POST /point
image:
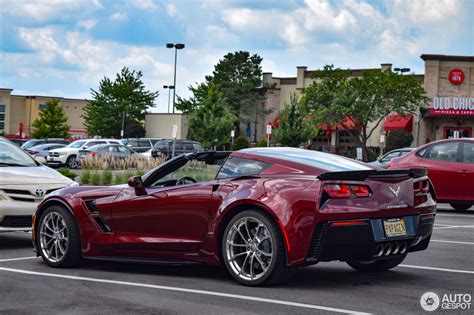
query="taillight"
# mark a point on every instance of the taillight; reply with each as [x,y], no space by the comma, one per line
[33,152]
[390,164]
[421,189]
[338,191]
[93,154]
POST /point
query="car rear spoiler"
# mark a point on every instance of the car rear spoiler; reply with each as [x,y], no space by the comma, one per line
[363,175]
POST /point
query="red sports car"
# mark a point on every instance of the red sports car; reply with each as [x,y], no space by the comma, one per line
[450,165]
[259,212]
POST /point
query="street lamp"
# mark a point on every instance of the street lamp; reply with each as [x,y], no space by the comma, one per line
[31,109]
[169,87]
[176,47]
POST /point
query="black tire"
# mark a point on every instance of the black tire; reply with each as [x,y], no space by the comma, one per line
[72,255]
[277,270]
[377,265]
[460,206]
[71,162]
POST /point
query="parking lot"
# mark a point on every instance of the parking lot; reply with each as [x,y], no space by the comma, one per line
[99,287]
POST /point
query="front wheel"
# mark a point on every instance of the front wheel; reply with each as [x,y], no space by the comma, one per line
[253,250]
[58,238]
[377,265]
[460,206]
[71,161]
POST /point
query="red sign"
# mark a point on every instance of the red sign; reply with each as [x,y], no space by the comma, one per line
[451,112]
[456,76]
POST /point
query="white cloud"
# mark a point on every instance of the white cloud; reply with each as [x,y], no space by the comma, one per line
[40,10]
[87,24]
[144,4]
[118,16]
[171,9]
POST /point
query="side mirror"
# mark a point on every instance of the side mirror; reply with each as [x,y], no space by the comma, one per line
[137,183]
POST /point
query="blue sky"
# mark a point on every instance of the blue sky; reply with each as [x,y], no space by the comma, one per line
[64,47]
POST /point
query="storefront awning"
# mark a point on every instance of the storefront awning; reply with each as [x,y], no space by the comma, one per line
[398,122]
[349,123]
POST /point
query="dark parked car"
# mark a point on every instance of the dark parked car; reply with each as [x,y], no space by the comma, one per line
[383,160]
[140,144]
[165,148]
[116,151]
[450,165]
[34,142]
[259,212]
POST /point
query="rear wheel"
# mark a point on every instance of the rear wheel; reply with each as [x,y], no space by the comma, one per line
[377,265]
[58,238]
[460,206]
[71,161]
[253,249]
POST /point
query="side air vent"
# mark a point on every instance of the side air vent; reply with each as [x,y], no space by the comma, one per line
[103,226]
[315,244]
[91,206]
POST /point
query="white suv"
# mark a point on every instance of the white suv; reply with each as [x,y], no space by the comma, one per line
[68,155]
[23,185]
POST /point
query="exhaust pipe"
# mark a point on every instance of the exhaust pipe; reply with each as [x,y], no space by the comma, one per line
[388,249]
[379,250]
[403,248]
[395,248]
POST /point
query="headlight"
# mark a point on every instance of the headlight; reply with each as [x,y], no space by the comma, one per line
[62,153]
[74,184]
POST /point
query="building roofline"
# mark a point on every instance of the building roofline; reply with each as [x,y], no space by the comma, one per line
[50,97]
[447,57]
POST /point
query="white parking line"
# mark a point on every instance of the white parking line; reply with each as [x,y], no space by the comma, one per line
[19,258]
[444,214]
[453,242]
[453,226]
[437,269]
[177,289]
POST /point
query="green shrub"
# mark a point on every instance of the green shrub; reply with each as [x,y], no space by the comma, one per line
[107,177]
[67,172]
[262,143]
[118,178]
[240,143]
[398,139]
[86,178]
[96,179]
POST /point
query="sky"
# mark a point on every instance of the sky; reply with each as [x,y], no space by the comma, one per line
[64,48]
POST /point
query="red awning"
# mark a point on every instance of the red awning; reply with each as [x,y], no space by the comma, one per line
[348,122]
[398,122]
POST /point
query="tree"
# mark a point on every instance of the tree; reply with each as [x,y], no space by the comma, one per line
[296,125]
[240,143]
[210,120]
[124,101]
[366,100]
[398,139]
[51,122]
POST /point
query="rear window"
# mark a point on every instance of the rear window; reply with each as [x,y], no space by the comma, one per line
[321,160]
[235,166]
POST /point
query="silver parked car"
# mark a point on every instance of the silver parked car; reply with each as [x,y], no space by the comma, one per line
[41,151]
[383,160]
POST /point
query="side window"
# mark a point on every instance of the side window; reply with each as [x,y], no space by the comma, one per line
[188,147]
[235,166]
[468,152]
[178,146]
[123,149]
[111,149]
[143,144]
[446,152]
[391,156]
[197,148]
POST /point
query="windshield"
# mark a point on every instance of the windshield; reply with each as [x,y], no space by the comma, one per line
[30,143]
[76,144]
[11,155]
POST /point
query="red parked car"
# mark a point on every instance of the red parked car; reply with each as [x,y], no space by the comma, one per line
[450,165]
[259,212]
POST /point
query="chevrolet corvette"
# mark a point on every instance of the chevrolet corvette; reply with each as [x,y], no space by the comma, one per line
[259,212]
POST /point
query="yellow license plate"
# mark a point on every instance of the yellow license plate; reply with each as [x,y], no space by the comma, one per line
[394,227]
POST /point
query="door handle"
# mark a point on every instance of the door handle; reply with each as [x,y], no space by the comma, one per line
[464,172]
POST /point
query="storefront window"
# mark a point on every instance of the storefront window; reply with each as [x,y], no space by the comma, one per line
[2,117]
[457,132]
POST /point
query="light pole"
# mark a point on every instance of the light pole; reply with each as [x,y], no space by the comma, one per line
[169,87]
[31,108]
[176,47]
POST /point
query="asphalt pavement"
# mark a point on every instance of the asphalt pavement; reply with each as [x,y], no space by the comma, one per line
[28,286]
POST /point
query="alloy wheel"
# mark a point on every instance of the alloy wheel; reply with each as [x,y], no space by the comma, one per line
[53,235]
[249,248]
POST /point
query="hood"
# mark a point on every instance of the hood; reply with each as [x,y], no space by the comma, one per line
[65,149]
[31,175]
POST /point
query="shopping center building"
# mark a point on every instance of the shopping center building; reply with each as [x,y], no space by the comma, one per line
[18,112]
[448,82]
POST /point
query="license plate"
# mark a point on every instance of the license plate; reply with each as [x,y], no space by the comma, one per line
[394,227]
